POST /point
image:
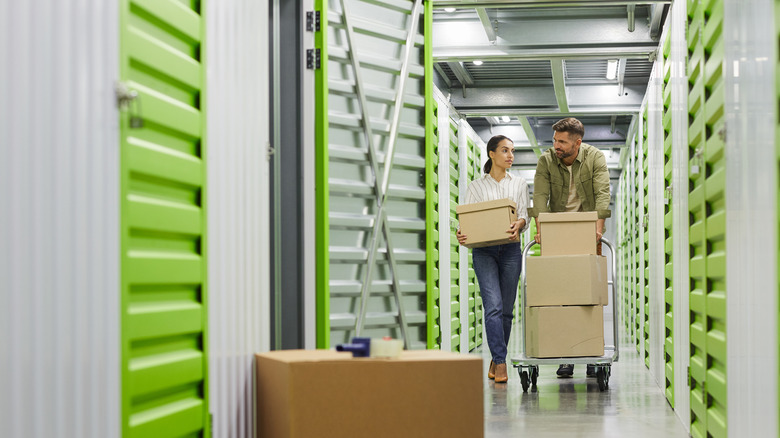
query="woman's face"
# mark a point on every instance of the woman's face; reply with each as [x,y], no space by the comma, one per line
[504,154]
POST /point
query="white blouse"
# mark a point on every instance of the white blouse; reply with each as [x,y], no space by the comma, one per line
[511,186]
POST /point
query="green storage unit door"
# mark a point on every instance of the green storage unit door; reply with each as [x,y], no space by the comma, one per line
[706,203]
[668,247]
[475,300]
[164,360]
[457,323]
[433,306]
[636,247]
[375,175]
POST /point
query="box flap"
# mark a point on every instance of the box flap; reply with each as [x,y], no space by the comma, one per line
[579,216]
[498,203]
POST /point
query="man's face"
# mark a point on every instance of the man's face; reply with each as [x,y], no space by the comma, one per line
[566,144]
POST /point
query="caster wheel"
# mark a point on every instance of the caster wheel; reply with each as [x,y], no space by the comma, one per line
[601,377]
[524,380]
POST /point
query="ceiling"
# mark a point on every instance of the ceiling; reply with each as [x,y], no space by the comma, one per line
[545,60]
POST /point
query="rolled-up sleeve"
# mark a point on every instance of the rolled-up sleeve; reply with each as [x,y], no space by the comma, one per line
[601,189]
[541,187]
[522,210]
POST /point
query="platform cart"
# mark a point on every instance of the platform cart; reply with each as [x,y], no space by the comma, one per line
[528,367]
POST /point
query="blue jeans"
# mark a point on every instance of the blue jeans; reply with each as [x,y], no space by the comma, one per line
[498,271]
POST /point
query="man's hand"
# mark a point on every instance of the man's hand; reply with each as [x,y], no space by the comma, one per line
[461,237]
[538,238]
[598,236]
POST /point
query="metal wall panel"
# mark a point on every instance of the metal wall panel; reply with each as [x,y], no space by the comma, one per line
[237,109]
[750,64]
[376,198]
[163,224]
[59,220]
[668,265]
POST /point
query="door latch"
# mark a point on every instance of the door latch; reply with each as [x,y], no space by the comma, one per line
[128,100]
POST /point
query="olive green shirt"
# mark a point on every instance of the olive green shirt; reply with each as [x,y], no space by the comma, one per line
[591,179]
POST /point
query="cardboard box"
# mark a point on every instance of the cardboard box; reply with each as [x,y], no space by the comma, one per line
[322,393]
[564,331]
[570,280]
[485,223]
[568,233]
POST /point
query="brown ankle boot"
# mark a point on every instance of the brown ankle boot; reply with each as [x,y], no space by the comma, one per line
[492,370]
[501,376]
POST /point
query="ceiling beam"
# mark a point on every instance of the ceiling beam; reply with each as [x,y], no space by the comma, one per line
[507,53]
[443,75]
[656,13]
[559,84]
[529,132]
[461,73]
[515,4]
[487,24]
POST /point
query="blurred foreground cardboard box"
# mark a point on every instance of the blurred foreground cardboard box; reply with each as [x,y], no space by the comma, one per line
[485,223]
[323,393]
[564,331]
[568,233]
[570,280]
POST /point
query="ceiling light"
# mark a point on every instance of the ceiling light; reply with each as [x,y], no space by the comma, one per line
[477,62]
[504,119]
[449,9]
[612,65]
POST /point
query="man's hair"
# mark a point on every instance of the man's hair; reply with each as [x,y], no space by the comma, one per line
[570,125]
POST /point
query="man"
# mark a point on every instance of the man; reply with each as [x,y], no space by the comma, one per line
[572,176]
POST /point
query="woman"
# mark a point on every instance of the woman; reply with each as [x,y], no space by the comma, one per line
[498,267]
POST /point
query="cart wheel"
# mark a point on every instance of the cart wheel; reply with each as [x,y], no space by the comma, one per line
[534,375]
[524,380]
[606,376]
[601,377]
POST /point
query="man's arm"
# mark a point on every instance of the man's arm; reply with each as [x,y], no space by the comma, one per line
[601,188]
[541,193]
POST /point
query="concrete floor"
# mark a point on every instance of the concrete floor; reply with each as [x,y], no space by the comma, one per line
[633,406]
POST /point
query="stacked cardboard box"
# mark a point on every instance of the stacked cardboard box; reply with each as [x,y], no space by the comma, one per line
[566,289]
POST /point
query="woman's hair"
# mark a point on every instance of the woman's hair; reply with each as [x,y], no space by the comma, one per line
[491,147]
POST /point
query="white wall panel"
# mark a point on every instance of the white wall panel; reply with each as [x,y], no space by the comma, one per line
[237,108]
[59,219]
[751,217]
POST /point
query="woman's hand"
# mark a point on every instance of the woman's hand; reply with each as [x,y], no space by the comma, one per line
[461,237]
[514,228]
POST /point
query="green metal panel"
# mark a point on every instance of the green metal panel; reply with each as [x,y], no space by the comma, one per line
[707,214]
[163,224]
[321,157]
[668,247]
[459,327]
[433,306]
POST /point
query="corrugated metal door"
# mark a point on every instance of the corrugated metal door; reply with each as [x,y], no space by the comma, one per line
[372,264]
[433,278]
[668,243]
[164,379]
[707,219]
[636,239]
[459,324]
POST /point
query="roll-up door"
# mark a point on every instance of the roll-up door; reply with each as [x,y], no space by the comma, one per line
[374,189]
[164,378]
[706,203]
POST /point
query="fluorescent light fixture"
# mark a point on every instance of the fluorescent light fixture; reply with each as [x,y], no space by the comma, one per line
[612,65]
[449,9]
[477,62]
[504,119]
